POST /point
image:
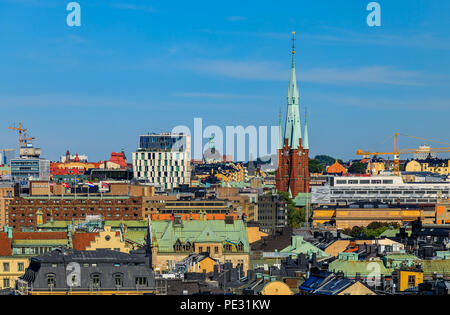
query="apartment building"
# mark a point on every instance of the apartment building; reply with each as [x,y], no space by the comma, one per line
[163,160]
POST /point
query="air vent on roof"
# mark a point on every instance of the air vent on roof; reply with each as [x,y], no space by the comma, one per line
[229,219]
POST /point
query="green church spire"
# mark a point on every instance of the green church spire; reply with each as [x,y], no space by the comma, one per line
[293,127]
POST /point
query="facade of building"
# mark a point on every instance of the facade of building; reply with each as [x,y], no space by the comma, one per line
[432,165]
[272,213]
[6,196]
[100,272]
[293,152]
[423,152]
[28,168]
[28,212]
[442,212]
[362,215]
[5,170]
[163,159]
[11,268]
[105,239]
[224,240]
[196,207]
[386,189]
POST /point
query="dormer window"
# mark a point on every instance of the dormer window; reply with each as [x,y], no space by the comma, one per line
[227,247]
[178,247]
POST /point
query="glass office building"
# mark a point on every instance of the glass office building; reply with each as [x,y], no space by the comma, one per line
[24,169]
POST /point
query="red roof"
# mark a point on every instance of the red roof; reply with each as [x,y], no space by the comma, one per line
[39,235]
[81,241]
[5,245]
[118,158]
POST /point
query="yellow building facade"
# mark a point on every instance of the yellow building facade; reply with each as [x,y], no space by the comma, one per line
[375,168]
[108,239]
[162,261]
[11,268]
[206,265]
[409,279]
[441,167]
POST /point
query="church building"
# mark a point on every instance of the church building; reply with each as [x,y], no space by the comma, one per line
[293,149]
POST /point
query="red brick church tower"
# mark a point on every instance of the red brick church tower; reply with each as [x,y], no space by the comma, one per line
[293,150]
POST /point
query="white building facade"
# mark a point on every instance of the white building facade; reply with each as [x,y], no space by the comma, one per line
[386,189]
[163,160]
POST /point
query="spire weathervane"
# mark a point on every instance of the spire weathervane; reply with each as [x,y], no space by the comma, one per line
[293,43]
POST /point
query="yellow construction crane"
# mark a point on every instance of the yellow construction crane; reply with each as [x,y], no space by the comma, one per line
[23,139]
[397,152]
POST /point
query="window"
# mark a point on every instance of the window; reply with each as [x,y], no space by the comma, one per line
[178,247]
[216,250]
[411,282]
[240,247]
[227,247]
[20,267]
[141,281]
[96,281]
[6,283]
[6,267]
[51,280]
[118,280]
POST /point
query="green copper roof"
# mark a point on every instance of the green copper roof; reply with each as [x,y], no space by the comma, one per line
[364,268]
[305,142]
[440,267]
[167,234]
[138,237]
[301,199]
[300,246]
[292,130]
[398,260]
[128,223]
[57,242]
[55,224]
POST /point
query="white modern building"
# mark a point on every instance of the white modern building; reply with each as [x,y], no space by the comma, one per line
[385,189]
[163,160]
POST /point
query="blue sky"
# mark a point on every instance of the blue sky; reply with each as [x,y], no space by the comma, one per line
[147,66]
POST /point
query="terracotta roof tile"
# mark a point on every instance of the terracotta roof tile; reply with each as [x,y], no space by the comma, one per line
[39,235]
[5,245]
[81,241]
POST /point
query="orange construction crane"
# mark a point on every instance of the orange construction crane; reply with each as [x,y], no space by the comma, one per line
[397,152]
[23,140]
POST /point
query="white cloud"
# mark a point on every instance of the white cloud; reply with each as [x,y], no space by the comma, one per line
[264,70]
[441,104]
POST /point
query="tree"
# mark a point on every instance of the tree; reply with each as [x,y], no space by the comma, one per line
[357,168]
[315,166]
[295,216]
[373,230]
[325,160]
